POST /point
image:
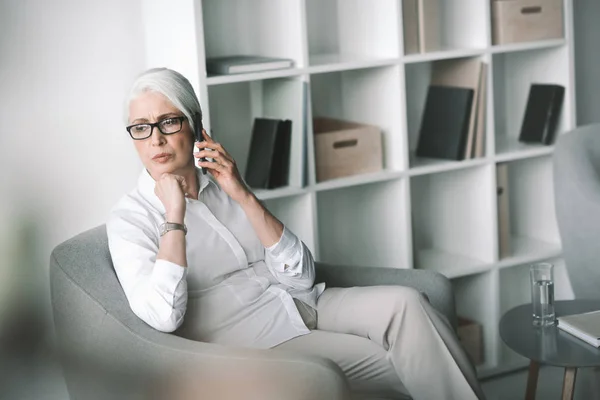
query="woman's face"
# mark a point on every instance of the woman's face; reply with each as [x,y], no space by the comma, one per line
[161,153]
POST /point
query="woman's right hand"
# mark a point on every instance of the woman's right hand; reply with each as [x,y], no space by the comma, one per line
[170,190]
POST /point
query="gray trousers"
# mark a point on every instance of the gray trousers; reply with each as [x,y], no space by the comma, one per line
[390,342]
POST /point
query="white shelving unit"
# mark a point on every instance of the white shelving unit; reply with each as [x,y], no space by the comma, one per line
[350,63]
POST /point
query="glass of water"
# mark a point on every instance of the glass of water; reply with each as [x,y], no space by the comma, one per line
[542,294]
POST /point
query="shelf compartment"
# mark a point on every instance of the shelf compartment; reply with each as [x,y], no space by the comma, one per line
[423,166]
[351,31]
[255,76]
[527,250]
[513,74]
[442,55]
[514,47]
[479,286]
[508,148]
[266,194]
[533,226]
[370,96]
[452,219]
[356,180]
[418,78]
[461,26]
[270,28]
[296,213]
[365,225]
[450,265]
[234,106]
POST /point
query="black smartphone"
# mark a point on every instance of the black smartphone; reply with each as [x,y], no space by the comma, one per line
[199,138]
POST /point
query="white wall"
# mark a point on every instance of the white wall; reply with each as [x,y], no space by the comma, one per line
[65,158]
[586,15]
[65,66]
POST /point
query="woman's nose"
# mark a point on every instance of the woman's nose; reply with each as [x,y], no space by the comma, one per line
[156,137]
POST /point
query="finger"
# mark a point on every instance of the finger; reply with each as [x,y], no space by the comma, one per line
[221,159]
[206,136]
[181,180]
[211,166]
[210,145]
[213,154]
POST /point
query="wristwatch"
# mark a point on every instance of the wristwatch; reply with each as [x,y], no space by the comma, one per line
[172,226]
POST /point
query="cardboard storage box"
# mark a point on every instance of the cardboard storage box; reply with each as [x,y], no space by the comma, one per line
[345,148]
[470,334]
[516,21]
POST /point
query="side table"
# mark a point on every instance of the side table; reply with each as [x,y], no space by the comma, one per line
[549,345]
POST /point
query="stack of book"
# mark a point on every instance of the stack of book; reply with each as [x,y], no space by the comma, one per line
[268,163]
[453,121]
[585,326]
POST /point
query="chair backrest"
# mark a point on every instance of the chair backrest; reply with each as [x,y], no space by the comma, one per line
[85,288]
[576,163]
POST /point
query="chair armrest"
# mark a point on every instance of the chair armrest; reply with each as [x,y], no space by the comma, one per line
[433,284]
[104,351]
[230,371]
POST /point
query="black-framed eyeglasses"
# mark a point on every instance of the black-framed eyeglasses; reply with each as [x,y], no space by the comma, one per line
[166,126]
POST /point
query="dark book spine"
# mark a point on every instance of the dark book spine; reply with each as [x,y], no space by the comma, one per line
[554,115]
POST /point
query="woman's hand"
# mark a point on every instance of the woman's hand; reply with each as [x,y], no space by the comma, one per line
[171,189]
[223,168]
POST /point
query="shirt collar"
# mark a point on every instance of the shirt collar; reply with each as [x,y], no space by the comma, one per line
[146,186]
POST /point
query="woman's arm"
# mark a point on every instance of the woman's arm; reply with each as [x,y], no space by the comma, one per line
[148,269]
[287,257]
[268,228]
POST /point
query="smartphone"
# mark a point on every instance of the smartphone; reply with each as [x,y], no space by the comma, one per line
[199,138]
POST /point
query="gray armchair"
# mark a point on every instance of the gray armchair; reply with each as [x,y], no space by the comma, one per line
[576,163]
[97,332]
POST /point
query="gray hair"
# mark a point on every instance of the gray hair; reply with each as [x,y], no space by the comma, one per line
[173,86]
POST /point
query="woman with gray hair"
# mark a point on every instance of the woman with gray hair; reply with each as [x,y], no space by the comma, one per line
[199,254]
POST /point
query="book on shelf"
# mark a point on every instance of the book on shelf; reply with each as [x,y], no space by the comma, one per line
[478,146]
[239,64]
[504,243]
[585,326]
[305,119]
[269,158]
[471,74]
[544,105]
[421,26]
[445,123]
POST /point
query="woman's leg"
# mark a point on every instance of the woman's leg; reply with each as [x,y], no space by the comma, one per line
[366,365]
[420,344]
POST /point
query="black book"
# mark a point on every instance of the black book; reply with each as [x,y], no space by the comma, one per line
[280,169]
[445,123]
[543,109]
[269,157]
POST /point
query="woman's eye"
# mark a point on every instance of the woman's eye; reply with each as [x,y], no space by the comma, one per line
[169,121]
[140,128]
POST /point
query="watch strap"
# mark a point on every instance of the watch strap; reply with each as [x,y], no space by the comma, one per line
[172,226]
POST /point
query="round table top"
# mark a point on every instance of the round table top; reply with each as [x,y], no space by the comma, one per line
[549,345]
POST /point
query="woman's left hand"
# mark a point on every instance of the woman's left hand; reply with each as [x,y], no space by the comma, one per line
[223,168]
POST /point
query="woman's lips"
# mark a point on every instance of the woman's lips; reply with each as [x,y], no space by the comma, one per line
[162,157]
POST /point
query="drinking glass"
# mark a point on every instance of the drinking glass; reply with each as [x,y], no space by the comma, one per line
[542,294]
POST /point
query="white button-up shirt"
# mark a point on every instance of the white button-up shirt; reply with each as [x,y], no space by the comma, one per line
[234,290]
